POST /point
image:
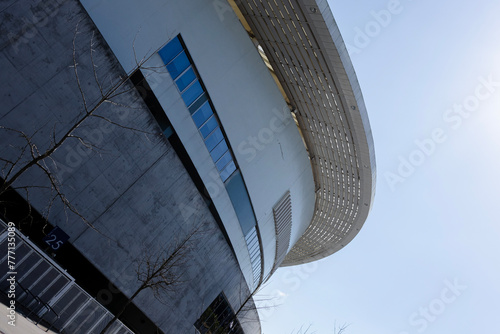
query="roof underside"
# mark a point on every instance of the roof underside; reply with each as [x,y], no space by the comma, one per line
[304,46]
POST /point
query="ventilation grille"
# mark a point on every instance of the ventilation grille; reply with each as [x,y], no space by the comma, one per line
[282,213]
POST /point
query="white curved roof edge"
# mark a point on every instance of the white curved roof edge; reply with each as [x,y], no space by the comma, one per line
[309,57]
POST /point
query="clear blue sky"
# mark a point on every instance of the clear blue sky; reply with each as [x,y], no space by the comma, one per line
[427,258]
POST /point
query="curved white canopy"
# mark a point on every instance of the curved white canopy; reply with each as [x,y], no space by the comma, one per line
[304,47]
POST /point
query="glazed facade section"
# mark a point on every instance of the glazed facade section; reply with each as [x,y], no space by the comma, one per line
[179,64]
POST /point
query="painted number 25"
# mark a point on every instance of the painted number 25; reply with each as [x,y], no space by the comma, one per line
[53,243]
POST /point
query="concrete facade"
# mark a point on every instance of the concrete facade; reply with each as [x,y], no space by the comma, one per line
[265,140]
[132,188]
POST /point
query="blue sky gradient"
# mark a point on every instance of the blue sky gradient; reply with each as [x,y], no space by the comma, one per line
[427,258]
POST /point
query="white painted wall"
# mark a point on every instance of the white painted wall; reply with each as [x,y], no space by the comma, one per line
[264,138]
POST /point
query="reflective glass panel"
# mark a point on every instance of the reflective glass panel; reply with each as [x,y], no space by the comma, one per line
[185,79]
[219,150]
[223,161]
[215,138]
[169,51]
[209,126]
[228,171]
[178,65]
[241,202]
[202,115]
[191,93]
[198,103]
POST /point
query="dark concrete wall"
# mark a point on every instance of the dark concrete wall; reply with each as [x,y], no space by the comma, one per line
[131,187]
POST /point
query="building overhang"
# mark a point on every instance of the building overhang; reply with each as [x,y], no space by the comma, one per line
[310,61]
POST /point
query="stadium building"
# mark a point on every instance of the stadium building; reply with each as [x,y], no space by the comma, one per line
[231,134]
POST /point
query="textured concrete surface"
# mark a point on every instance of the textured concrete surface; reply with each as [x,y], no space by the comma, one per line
[131,187]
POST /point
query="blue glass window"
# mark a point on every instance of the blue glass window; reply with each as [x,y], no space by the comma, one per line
[241,202]
[215,138]
[223,161]
[228,171]
[192,93]
[219,150]
[209,126]
[185,79]
[178,65]
[202,115]
[172,49]
[196,105]
[190,85]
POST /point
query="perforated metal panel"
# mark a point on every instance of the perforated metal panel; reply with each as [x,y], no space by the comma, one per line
[298,39]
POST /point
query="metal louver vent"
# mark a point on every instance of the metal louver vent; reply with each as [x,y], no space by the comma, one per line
[282,213]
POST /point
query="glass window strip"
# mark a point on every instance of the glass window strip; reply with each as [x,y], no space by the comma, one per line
[193,82]
[209,126]
[199,105]
[171,50]
[192,93]
[227,172]
[178,65]
[219,150]
[214,139]
[185,79]
[202,114]
[224,161]
[176,57]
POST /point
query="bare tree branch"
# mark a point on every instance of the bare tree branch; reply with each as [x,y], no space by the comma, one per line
[161,270]
[13,169]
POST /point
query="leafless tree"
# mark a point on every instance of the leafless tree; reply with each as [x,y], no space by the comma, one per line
[162,270]
[31,155]
[337,329]
[306,330]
